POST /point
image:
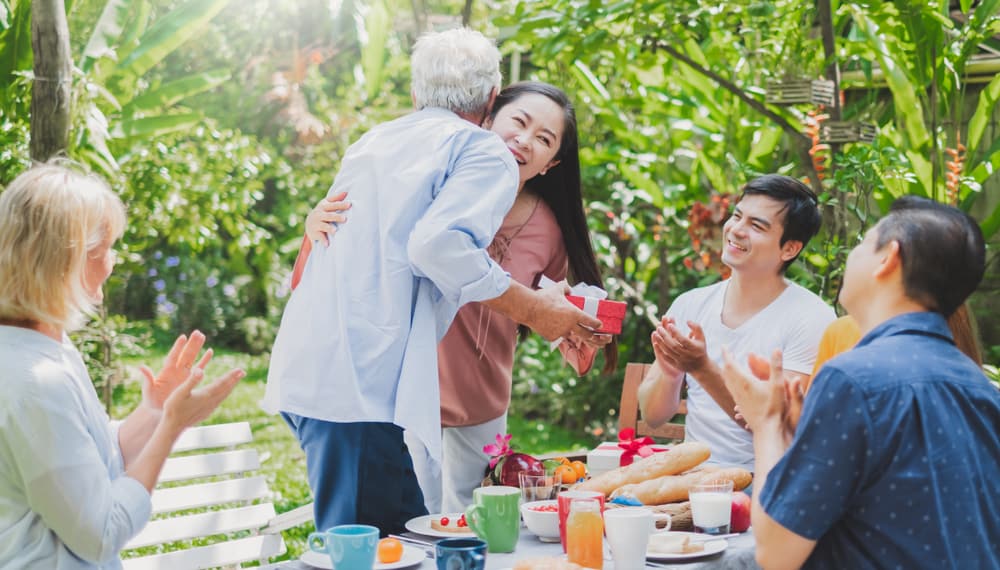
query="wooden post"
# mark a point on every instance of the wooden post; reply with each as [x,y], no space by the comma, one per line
[50,94]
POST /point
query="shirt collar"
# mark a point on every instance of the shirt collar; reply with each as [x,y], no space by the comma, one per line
[924,323]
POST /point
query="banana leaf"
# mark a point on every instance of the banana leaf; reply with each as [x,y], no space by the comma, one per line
[151,127]
[105,34]
[981,118]
[15,48]
[908,107]
[175,91]
[167,34]
[991,224]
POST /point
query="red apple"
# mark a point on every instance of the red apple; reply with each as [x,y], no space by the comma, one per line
[739,520]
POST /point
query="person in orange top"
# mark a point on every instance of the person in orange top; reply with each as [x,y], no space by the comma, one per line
[844,333]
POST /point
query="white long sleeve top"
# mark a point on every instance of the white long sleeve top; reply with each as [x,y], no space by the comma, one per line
[65,501]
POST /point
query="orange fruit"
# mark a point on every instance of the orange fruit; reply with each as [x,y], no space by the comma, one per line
[580,468]
[562,460]
[389,550]
[566,474]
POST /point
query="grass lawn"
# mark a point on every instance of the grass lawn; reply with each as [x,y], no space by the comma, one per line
[283,463]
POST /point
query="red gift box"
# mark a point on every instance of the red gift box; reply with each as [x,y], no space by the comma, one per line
[611,313]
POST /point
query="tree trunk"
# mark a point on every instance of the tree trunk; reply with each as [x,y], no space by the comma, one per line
[50,96]
[467,13]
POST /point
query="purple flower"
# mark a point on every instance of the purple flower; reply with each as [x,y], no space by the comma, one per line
[229,290]
[168,308]
[183,276]
[153,272]
[212,281]
[173,261]
[161,299]
[159,285]
[157,254]
[284,289]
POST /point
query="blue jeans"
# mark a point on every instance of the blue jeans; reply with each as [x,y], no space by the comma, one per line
[359,473]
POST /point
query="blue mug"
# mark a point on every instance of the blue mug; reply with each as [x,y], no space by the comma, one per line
[461,554]
[349,546]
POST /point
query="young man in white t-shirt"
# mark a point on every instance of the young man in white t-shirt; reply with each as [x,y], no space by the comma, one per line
[756,310]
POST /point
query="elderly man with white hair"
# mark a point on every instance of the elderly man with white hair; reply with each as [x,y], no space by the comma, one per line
[355,360]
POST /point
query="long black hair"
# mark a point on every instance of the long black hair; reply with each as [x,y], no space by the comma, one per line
[560,189]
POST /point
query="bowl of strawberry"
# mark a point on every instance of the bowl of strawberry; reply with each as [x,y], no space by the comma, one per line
[542,519]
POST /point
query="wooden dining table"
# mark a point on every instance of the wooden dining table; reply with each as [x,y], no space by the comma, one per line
[738,555]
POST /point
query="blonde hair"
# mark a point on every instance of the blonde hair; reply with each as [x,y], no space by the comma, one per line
[51,218]
[455,70]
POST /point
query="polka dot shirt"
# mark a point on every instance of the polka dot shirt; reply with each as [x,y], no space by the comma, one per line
[896,456]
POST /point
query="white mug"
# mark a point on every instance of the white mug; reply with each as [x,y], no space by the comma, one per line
[628,530]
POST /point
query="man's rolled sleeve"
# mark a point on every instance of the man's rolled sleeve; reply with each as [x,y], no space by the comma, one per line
[811,486]
[448,244]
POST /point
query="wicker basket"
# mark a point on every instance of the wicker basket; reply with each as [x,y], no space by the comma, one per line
[800,91]
[680,514]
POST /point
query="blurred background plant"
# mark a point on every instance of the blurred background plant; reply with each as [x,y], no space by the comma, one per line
[221,123]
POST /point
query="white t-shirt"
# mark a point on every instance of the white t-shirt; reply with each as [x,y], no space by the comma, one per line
[794,322]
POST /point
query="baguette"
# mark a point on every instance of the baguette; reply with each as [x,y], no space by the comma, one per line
[678,459]
[674,488]
[740,477]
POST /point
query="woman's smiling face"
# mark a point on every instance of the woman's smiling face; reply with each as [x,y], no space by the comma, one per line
[532,128]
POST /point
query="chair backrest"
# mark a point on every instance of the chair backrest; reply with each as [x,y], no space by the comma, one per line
[227,498]
[628,409]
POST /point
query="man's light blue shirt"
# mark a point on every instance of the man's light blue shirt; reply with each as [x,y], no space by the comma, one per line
[358,339]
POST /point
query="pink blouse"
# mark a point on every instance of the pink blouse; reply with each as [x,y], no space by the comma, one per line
[476,356]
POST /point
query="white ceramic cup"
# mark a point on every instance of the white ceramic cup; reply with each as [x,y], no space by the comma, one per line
[628,530]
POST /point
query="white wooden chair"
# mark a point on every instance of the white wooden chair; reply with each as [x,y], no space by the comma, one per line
[227,497]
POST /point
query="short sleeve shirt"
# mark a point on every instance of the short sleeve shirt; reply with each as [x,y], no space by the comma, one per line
[895,459]
[793,322]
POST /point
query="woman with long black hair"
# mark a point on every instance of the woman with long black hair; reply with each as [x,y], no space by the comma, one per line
[545,233]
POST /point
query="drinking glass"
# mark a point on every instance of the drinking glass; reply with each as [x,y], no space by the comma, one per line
[711,506]
[536,487]
[585,533]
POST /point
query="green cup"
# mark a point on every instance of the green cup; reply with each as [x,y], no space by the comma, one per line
[494,516]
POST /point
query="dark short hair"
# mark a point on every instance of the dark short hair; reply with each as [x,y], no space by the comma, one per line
[801,207]
[942,251]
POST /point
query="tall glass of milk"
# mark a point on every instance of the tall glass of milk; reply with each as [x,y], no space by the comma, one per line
[711,506]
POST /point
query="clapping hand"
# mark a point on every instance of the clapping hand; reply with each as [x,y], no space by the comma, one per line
[767,396]
[682,353]
[189,405]
[181,361]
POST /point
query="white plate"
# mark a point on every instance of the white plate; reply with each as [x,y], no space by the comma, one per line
[422,525]
[412,556]
[711,547]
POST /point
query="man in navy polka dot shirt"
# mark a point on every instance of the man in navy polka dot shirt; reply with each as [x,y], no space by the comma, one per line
[894,459]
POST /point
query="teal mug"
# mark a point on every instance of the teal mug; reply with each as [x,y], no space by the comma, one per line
[460,554]
[495,516]
[349,546]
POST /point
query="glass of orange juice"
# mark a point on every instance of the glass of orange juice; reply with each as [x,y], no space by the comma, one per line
[585,533]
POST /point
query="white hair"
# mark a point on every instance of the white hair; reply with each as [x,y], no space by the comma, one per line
[455,70]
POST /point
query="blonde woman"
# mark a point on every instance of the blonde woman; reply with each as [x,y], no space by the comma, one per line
[74,486]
